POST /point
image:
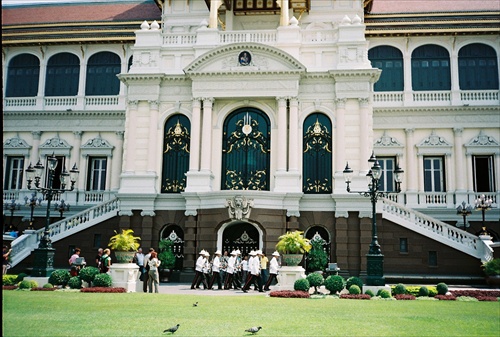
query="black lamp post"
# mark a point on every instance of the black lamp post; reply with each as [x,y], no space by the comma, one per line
[464,210]
[44,254]
[32,203]
[483,204]
[374,258]
[61,207]
[11,206]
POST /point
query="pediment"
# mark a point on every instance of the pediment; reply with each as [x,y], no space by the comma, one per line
[248,58]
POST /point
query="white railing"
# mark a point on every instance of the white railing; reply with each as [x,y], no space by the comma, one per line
[260,36]
[101,100]
[60,101]
[437,230]
[479,95]
[431,96]
[26,243]
[433,199]
[388,97]
[179,39]
[20,101]
[319,36]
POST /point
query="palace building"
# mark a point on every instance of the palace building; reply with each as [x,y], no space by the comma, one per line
[223,124]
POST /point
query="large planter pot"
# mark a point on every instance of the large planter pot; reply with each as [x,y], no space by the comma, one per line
[292,260]
[124,257]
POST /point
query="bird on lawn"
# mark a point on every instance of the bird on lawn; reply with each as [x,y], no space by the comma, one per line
[172,329]
[254,329]
[195,304]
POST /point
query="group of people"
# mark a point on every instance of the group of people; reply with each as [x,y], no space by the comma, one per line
[231,271]
[148,269]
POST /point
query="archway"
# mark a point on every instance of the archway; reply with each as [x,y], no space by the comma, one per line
[241,235]
[175,234]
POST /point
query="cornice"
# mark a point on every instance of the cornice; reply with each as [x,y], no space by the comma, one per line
[65,114]
[413,111]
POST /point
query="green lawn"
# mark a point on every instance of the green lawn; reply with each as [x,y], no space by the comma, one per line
[138,314]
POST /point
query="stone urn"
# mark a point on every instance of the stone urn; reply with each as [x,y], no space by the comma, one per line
[292,260]
[493,281]
[124,256]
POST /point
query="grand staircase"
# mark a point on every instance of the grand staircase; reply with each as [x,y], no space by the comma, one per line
[26,243]
[392,211]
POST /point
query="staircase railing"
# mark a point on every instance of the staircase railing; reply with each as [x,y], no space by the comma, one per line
[26,243]
[437,230]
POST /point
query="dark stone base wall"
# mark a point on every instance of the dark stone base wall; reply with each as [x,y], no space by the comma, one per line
[350,241]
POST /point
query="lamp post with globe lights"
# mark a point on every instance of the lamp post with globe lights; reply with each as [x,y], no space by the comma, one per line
[32,203]
[11,206]
[483,204]
[375,258]
[464,210]
[44,254]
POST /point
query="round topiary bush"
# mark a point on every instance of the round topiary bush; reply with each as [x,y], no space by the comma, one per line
[384,293]
[87,274]
[301,284]
[423,291]
[59,277]
[25,284]
[315,280]
[369,292]
[354,280]
[399,289]
[75,282]
[102,280]
[354,290]
[442,288]
[334,283]
[48,285]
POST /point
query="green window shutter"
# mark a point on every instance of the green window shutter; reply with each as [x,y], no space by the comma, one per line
[63,73]
[22,76]
[102,69]
[390,61]
[477,67]
[177,137]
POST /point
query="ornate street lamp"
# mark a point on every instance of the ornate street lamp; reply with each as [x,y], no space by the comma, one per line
[464,210]
[483,204]
[11,206]
[32,203]
[375,258]
[61,207]
[44,254]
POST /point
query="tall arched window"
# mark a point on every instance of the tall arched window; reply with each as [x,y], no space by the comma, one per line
[390,61]
[102,69]
[430,68]
[63,73]
[317,155]
[175,154]
[477,67]
[246,148]
[23,76]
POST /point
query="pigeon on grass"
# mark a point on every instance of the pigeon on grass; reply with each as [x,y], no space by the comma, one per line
[195,304]
[172,329]
[254,329]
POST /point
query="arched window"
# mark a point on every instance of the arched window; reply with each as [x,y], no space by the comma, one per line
[390,61]
[175,154]
[430,68]
[317,155]
[102,69]
[477,67]
[63,73]
[246,148]
[23,76]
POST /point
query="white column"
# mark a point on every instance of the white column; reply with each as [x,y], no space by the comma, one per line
[36,146]
[455,86]
[206,143]
[153,136]
[284,16]
[81,79]
[76,159]
[282,138]
[364,133]
[460,179]
[194,155]
[293,146]
[214,8]
[411,164]
[339,154]
[408,96]
[116,163]
[43,76]
[131,135]
[470,173]
[420,172]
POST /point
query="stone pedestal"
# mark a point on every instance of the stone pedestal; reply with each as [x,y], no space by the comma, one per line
[125,275]
[287,277]
[375,289]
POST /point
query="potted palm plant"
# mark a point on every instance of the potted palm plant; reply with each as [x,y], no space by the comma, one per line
[124,245]
[492,271]
[292,246]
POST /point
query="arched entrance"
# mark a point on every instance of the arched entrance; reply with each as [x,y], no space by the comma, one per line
[320,233]
[175,234]
[239,235]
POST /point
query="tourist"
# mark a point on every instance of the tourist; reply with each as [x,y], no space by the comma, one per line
[153,274]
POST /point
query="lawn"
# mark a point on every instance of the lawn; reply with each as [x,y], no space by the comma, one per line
[138,314]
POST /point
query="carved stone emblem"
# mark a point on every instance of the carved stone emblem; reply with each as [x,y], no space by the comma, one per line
[239,207]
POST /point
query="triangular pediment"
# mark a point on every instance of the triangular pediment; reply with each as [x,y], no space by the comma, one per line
[248,58]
